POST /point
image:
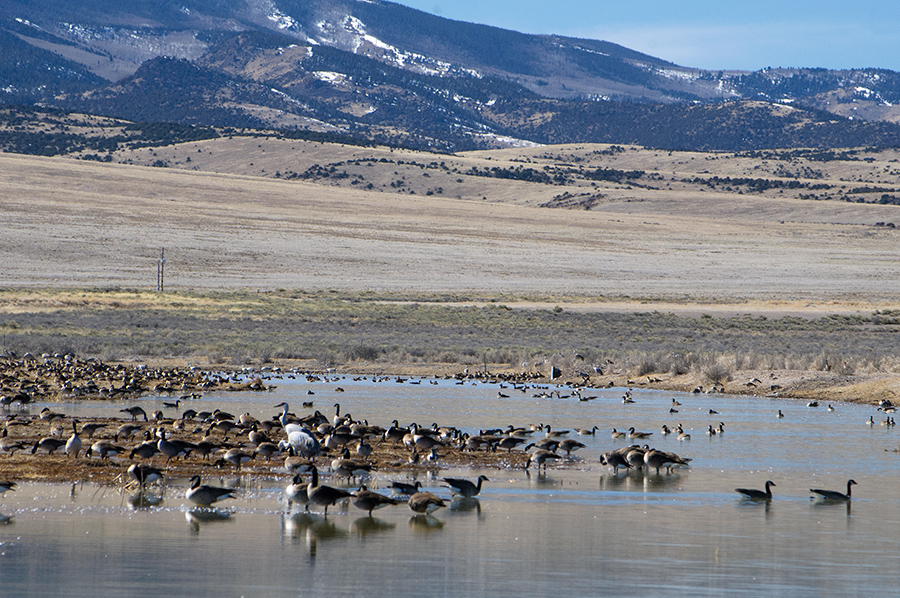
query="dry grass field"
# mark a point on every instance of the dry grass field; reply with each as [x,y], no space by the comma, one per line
[429,232]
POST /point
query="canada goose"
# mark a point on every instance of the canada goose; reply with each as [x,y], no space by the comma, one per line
[509,443]
[144,474]
[710,431]
[539,457]
[425,502]
[9,445]
[591,432]
[813,404]
[780,414]
[465,488]
[237,457]
[675,403]
[168,448]
[296,491]
[364,449]
[134,412]
[6,485]
[404,488]
[871,421]
[665,431]
[104,448]
[267,449]
[346,467]
[830,408]
[89,428]
[203,495]
[616,435]
[721,429]
[568,445]
[323,496]
[551,434]
[48,445]
[632,434]
[834,494]
[657,459]
[615,460]
[73,444]
[367,500]
[49,416]
[145,450]
[754,494]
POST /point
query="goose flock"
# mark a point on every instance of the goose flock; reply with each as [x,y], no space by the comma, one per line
[158,446]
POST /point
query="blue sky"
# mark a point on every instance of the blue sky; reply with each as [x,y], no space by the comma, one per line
[711,34]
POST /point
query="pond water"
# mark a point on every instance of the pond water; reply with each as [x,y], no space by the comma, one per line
[578,530]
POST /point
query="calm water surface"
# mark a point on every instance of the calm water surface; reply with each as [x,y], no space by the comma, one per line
[579,530]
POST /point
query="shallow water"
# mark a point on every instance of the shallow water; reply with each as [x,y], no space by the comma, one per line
[578,530]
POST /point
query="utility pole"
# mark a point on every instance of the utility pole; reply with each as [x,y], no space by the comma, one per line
[161,271]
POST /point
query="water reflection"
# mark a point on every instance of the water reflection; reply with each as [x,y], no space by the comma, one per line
[425,523]
[204,515]
[144,500]
[365,526]
[465,505]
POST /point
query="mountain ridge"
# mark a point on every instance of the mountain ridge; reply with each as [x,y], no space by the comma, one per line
[388,73]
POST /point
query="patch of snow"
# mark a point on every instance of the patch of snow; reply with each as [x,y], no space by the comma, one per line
[330,76]
[283,21]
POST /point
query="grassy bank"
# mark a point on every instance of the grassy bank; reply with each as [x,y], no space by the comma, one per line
[343,329]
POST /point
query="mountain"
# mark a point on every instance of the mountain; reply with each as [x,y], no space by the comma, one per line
[384,72]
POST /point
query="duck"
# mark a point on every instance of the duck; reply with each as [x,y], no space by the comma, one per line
[367,500]
[834,494]
[465,488]
[754,494]
[324,496]
[425,502]
[205,496]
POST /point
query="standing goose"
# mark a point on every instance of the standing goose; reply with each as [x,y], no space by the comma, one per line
[203,495]
[6,486]
[568,445]
[425,502]
[73,444]
[144,474]
[296,491]
[367,500]
[753,494]
[834,494]
[465,488]
[323,496]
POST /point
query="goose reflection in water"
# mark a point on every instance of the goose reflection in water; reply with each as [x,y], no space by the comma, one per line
[365,526]
[465,505]
[657,481]
[425,523]
[309,525]
[141,501]
[204,515]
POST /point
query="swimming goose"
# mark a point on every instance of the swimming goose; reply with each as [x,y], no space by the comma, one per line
[324,496]
[367,500]
[780,414]
[203,495]
[834,494]
[753,494]
[633,434]
[591,432]
[616,435]
[425,502]
[465,488]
